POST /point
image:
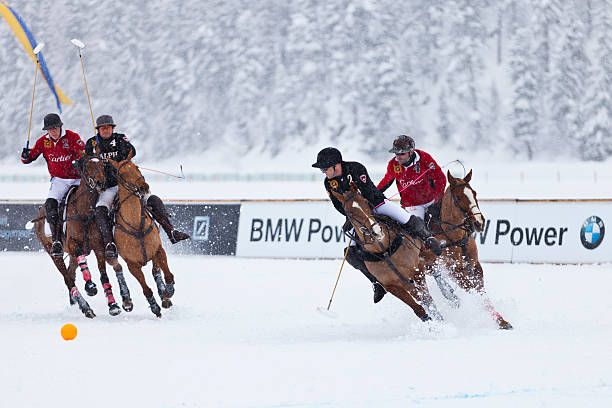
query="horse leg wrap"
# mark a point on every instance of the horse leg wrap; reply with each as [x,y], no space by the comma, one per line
[82,260]
[123,288]
[161,287]
[445,287]
[154,306]
[108,291]
[83,305]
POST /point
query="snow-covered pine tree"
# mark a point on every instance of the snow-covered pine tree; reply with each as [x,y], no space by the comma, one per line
[524,104]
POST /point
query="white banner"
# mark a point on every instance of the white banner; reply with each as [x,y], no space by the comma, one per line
[515,231]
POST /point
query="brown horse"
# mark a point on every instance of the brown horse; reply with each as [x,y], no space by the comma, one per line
[389,254]
[460,217]
[82,235]
[137,235]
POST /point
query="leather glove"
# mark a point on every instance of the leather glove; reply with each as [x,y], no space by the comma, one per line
[25,153]
[347,226]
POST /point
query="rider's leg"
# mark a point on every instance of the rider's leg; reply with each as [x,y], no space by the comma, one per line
[353,258]
[104,222]
[57,190]
[52,215]
[158,209]
[412,223]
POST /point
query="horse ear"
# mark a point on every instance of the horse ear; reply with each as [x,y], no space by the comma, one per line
[354,187]
[130,155]
[450,178]
[468,177]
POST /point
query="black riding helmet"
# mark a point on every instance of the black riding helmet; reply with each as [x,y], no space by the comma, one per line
[328,157]
[52,121]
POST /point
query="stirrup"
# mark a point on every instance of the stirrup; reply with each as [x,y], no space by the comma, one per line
[176,236]
[111,250]
[57,249]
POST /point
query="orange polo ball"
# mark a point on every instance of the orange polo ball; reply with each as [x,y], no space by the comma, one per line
[69,331]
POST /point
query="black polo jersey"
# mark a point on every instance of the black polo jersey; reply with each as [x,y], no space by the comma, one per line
[353,171]
[116,148]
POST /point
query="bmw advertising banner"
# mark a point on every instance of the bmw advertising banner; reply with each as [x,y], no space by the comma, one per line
[546,231]
[561,231]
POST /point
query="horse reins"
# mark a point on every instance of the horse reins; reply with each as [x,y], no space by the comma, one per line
[385,254]
[139,232]
[467,225]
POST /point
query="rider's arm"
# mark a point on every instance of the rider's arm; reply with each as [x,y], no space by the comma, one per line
[367,187]
[125,147]
[436,176]
[386,182]
[34,152]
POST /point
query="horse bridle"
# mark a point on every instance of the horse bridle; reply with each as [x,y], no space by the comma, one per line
[132,188]
[467,225]
[90,179]
[367,232]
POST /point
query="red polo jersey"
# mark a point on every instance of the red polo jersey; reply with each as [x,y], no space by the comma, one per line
[59,155]
[429,187]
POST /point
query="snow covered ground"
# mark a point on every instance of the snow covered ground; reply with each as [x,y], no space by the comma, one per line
[247,333]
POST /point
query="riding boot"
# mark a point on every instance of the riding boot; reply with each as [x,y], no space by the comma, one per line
[353,258]
[57,250]
[416,227]
[104,224]
[158,210]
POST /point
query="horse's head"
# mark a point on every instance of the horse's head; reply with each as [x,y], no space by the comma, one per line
[464,198]
[130,177]
[92,171]
[359,212]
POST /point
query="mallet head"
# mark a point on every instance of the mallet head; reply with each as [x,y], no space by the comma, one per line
[38,48]
[78,43]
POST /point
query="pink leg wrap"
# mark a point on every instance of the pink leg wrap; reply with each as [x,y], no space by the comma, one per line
[82,260]
[108,291]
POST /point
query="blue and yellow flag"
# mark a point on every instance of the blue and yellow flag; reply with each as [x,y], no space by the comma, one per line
[25,37]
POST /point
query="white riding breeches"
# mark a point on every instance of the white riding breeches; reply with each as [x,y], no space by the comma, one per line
[60,186]
[107,196]
[393,210]
[418,210]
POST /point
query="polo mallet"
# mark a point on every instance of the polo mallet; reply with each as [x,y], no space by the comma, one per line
[339,273]
[182,176]
[36,50]
[80,45]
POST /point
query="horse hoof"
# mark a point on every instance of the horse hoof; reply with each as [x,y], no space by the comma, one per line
[91,288]
[90,314]
[166,303]
[113,309]
[504,325]
[425,318]
[127,305]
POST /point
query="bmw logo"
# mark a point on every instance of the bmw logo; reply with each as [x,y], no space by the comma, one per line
[592,232]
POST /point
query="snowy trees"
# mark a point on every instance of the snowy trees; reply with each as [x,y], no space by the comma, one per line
[191,77]
[595,138]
